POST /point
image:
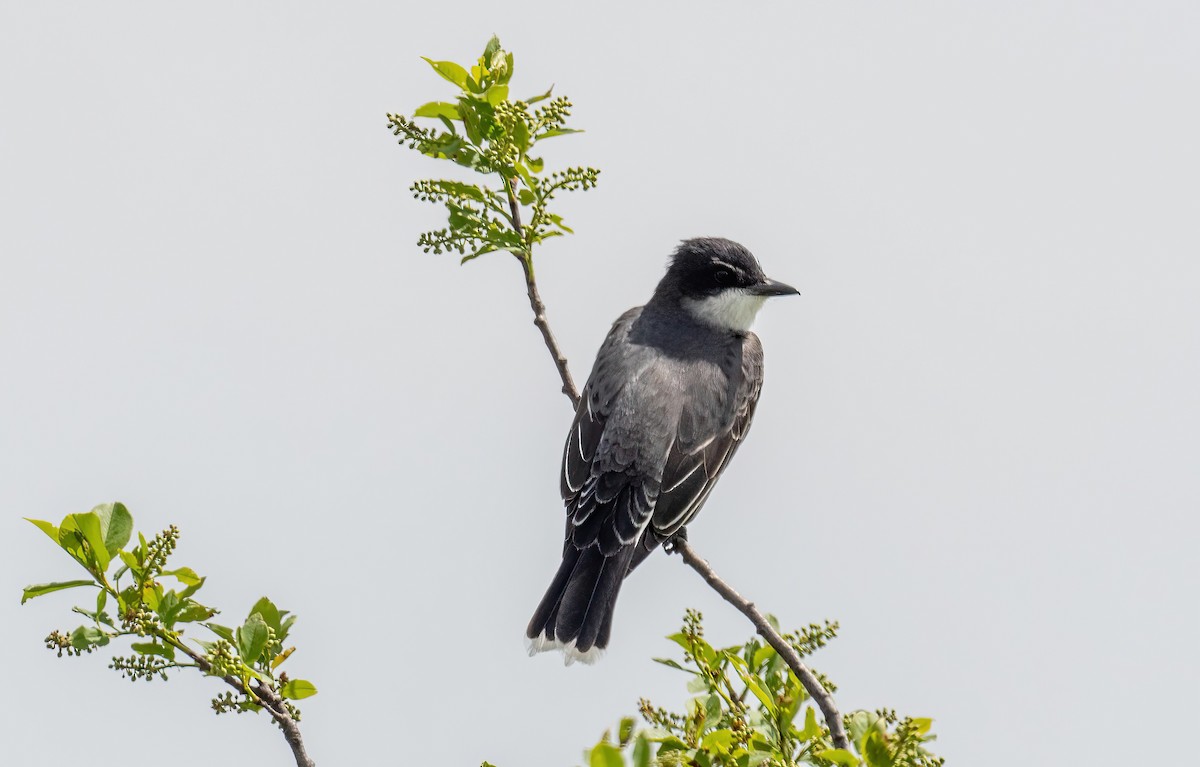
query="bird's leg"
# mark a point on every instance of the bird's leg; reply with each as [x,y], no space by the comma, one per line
[669,544]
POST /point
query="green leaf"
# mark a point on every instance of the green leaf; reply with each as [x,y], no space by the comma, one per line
[131,562]
[490,49]
[536,164]
[71,540]
[190,611]
[45,527]
[697,683]
[605,755]
[718,740]
[811,728]
[625,731]
[116,526]
[269,612]
[497,94]
[762,655]
[641,752]
[520,136]
[101,601]
[252,638]
[556,132]
[168,602]
[438,109]
[484,250]
[681,640]
[466,190]
[89,526]
[542,97]
[712,711]
[558,221]
[470,120]
[88,636]
[508,69]
[673,664]
[287,625]
[922,724]
[38,589]
[859,723]
[755,758]
[185,575]
[449,70]
[154,648]
[838,756]
[666,740]
[875,751]
[765,698]
[224,632]
[298,689]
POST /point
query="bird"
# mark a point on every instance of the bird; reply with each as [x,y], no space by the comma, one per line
[669,400]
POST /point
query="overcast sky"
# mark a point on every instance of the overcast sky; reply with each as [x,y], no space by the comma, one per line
[977,446]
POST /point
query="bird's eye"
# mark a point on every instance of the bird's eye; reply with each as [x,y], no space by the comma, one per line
[723,277]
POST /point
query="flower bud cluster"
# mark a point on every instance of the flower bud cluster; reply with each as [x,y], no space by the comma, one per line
[228,702]
[140,621]
[158,551]
[442,241]
[808,640]
[553,114]
[137,667]
[221,659]
[61,643]
[411,134]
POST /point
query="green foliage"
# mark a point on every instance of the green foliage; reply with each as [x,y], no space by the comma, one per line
[749,709]
[485,131]
[138,597]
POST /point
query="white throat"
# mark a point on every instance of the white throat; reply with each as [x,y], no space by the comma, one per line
[732,309]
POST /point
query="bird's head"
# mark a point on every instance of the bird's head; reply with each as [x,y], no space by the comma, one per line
[719,283]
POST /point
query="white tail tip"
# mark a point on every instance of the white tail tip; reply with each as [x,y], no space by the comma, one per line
[543,643]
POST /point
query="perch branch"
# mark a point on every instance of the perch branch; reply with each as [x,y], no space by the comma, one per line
[535,301]
[818,692]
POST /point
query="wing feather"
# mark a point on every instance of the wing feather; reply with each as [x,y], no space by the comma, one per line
[640,478]
[699,457]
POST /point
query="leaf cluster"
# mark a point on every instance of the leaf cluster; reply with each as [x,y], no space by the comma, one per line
[483,130]
[140,597]
[749,709]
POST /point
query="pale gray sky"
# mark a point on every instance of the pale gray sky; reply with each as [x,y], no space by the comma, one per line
[977,446]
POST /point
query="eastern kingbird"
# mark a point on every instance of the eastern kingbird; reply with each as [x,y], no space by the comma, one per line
[670,398]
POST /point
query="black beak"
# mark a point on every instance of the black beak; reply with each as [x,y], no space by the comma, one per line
[772,288]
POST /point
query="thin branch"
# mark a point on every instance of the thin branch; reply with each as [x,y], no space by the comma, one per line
[813,685]
[263,695]
[824,700]
[535,302]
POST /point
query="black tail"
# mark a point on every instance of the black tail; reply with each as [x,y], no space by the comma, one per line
[576,613]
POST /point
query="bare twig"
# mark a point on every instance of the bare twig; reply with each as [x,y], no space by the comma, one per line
[535,302]
[792,658]
[818,692]
[263,695]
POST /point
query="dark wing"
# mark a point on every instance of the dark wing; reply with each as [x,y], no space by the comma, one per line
[613,457]
[705,441]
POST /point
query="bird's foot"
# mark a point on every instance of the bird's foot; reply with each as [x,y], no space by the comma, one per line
[669,544]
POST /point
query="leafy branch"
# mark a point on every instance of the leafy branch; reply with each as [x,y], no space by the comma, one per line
[486,132]
[155,619]
[748,709]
